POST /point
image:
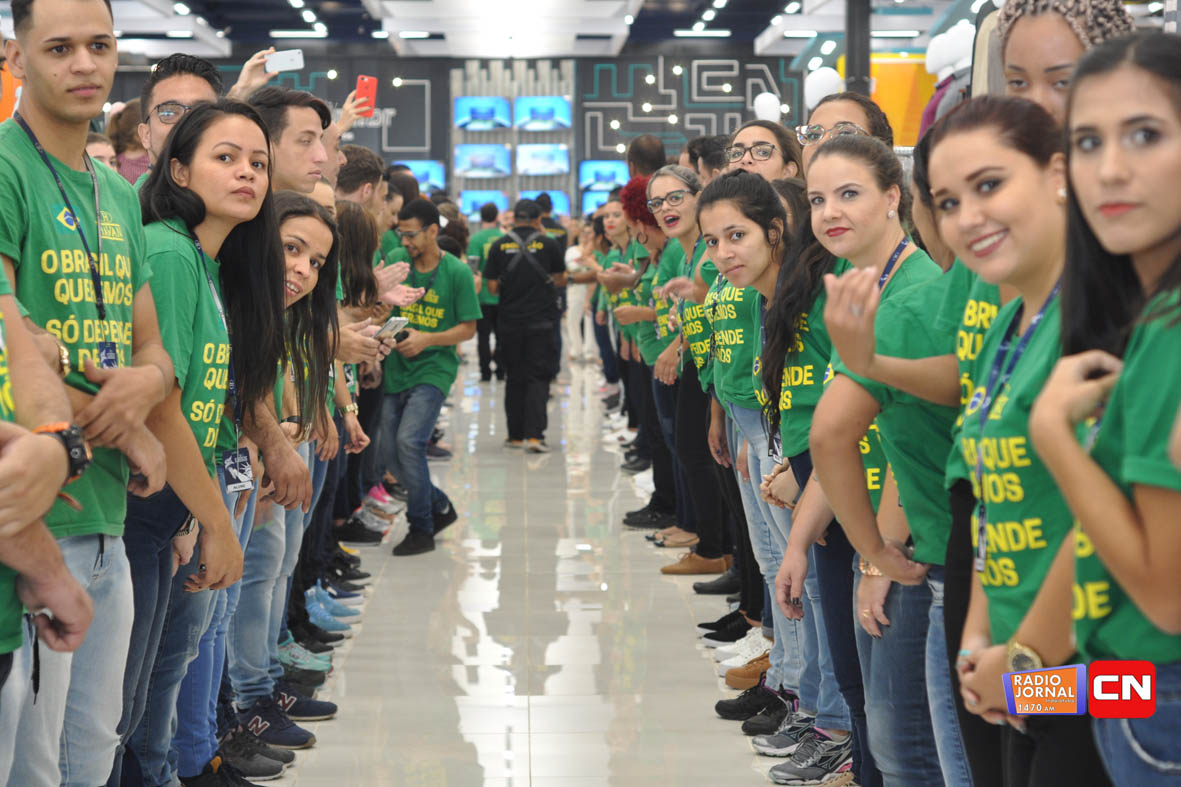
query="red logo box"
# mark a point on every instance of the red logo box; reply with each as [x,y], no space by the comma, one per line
[1121,689]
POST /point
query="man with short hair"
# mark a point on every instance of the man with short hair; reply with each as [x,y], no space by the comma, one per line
[174,86]
[421,371]
[361,179]
[645,155]
[296,120]
[711,159]
[525,268]
[477,248]
[55,205]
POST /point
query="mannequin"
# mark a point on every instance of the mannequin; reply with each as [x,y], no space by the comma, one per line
[949,57]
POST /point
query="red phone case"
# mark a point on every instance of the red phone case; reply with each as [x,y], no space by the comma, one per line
[367,89]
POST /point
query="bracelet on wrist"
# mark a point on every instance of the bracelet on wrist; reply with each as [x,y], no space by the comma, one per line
[868,569]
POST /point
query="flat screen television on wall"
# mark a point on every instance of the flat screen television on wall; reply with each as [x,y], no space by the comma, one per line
[543,159]
[431,175]
[560,199]
[601,175]
[482,113]
[591,200]
[542,113]
[470,202]
[483,161]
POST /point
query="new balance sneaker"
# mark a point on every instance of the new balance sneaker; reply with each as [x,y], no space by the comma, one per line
[770,719]
[795,729]
[819,759]
[299,707]
[246,754]
[749,703]
[292,654]
[284,756]
[267,722]
[325,620]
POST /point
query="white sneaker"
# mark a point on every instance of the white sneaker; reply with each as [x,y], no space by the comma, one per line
[737,661]
[753,644]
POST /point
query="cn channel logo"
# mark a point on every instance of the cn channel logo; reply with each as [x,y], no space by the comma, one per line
[1106,689]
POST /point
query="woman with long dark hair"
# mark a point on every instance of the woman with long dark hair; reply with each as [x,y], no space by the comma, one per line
[1101,423]
[212,247]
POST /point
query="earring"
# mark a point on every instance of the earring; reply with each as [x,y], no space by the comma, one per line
[1062,196]
[891,214]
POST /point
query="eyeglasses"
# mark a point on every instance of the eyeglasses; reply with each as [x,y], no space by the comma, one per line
[170,112]
[813,135]
[672,199]
[760,151]
[411,234]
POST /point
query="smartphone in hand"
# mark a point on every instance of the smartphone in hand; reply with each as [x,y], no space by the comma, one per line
[367,89]
[284,60]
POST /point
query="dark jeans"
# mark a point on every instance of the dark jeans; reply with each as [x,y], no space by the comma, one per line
[665,399]
[316,550]
[365,467]
[607,352]
[485,327]
[982,741]
[1055,750]
[692,448]
[833,563]
[147,536]
[529,355]
[664,498]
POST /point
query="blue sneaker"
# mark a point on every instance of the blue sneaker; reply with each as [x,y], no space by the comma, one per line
[317,595]
[324,619]
[300,707]
[267,722]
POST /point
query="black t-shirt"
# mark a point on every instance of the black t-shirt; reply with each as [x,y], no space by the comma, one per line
[526,298]
[557,232]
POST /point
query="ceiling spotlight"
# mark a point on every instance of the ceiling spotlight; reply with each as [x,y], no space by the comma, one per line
[181,9]
[828,47]
[699,26]
[296,3]
[815,63]
[614,125]
[1155,7]
[650,79]
[776,19]
[709,14]
[179,34]
[629,19]
[672,120]
[677,70]
[894,34]
[380,34]
[727,87]
[791,7]
[785,109]
[308,15]
[646,106]
[397,82]
[332,73]
[720,3]
[414,34]
[221,33]
[621,148]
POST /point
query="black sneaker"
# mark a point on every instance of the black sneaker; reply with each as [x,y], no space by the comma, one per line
[352,560]
[717,625]
[636,465]
[770,719]
[721,585]
[396,491]
[735,598]
[353,531]
[639,513]
[345,586]
[284,756]
[749,703]
[244,753]
[214,775]
[734,631]
[341,573]
[444,519]
[308,642]
[300,707]
[305,676]
[416,543]
[651,519]
[314,632]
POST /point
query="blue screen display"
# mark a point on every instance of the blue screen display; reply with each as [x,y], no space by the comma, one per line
[431,175]
[542,113]
[470,202]
[482,113]
[543,159]
[483,161]
[592,200]
[602,175]
[560,199]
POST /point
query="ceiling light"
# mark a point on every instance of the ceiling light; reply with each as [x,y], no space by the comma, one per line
[646,106]
[397,82]
[785,109]
[629,19]
[380,34]
[296,3]
[621,148]
[791,7]
[701,33]
[677,70]
[181,9]
[650,79]
[332,73]
[179,34]
[709,14]
[201,21]
[776,19]
[672,120]
[720,3]
[815,63]
[614,125]
[699,26]
[727,87]
[800,33]
[308,15]
[320,27]
[894,34]
[221,33]
[414,34]
[1155,7]
[828,47]
[298,33]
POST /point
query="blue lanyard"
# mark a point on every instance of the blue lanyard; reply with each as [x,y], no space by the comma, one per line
[92,260]
[232,387]
[893,261]
[998,377]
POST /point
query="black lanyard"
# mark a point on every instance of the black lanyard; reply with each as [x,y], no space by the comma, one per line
[893,260]
[231,388]
[998,377]
[94,261]
[430,282]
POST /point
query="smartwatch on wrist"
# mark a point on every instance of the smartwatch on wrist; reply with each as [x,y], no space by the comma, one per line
[77,451]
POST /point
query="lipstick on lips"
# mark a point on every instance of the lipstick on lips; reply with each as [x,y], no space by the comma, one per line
[836,231]
[1113,209]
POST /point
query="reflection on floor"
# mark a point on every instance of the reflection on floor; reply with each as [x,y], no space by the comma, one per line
[538,644]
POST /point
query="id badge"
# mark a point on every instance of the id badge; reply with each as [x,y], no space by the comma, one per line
[108,355]
[238,471]
[981,539]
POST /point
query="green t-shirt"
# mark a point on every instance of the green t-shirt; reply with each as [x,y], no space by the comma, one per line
[695,327]
[735,314]
[967,312]
[653,336]
[1025,515]
[478,247]
[450,299]
[53,281]
[916,434]
[634,255]
[1132,448]
[391,250]
[10,605]
[192,329]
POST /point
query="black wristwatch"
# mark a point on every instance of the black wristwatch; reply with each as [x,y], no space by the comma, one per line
[77,451]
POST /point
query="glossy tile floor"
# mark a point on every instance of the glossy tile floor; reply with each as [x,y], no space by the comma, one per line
[538,644]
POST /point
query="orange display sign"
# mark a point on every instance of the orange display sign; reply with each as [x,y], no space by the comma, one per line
[8,86]
[1055,690]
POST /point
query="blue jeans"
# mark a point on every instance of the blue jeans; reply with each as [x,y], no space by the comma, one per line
[195,741]
[68,731]
[319,471]
[953,758]
[15,688]
[147,537]
[407,421]
[900,731]
[1145,751]
[253,638]
[665,397]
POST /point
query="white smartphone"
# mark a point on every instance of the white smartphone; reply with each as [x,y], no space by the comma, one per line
[392,326]
[284,60]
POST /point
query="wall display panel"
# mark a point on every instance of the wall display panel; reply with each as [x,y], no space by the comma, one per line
[482,113]
[431,175]
[472,200]
[545,158]
[483,161]
[542,113]
[560,199]
[601,175]
[593,200]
